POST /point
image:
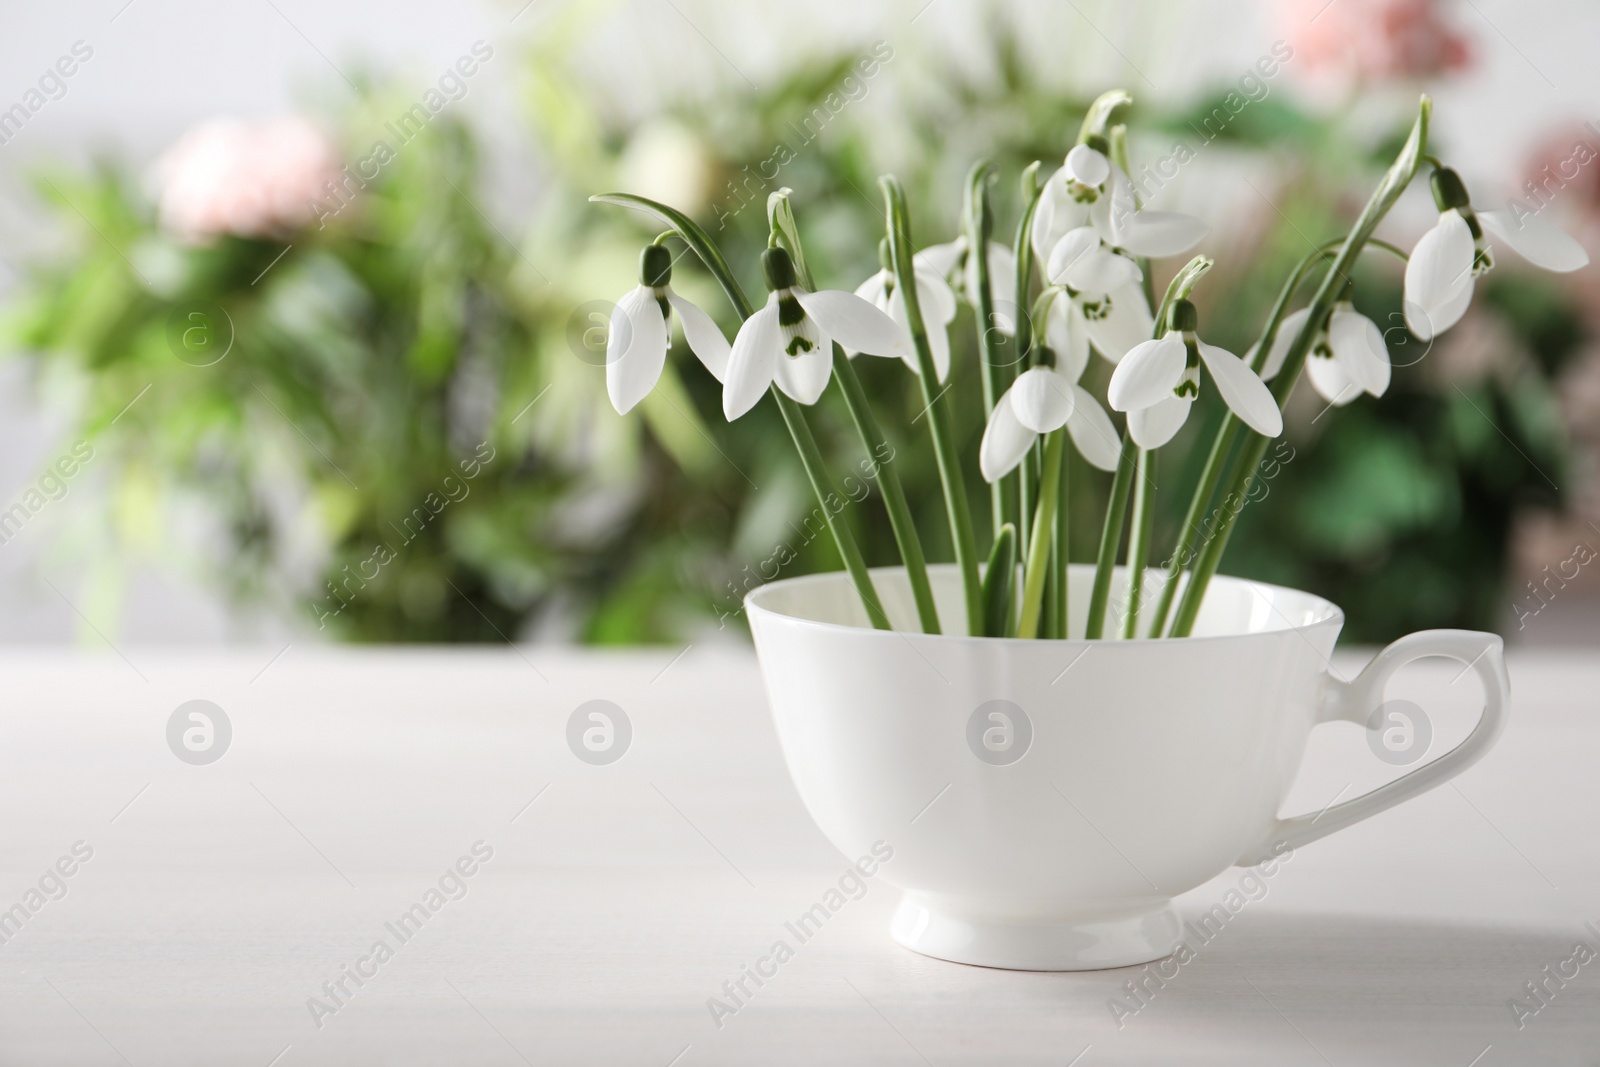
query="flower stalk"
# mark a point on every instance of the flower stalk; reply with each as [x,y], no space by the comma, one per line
[949,461]
[805,444]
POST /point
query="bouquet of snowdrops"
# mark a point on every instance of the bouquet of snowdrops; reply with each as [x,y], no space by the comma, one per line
[1074,280]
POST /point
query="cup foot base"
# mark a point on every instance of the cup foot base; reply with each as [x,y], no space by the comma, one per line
[1047,946]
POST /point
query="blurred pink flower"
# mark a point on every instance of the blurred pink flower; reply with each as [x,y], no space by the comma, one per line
[250,179]
[1366,41]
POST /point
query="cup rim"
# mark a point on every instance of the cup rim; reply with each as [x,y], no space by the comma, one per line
[753,605]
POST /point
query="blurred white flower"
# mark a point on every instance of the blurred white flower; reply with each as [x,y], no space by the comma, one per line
[1090,190]
[666,161]
[249,179]
[934,298]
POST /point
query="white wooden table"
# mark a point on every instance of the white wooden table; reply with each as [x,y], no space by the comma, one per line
[220,898]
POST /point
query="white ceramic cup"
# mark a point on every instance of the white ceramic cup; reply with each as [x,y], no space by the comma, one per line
[1046,800]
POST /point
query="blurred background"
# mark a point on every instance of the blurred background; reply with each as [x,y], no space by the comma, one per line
[302,304]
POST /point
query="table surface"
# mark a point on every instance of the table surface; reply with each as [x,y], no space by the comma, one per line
[216,900]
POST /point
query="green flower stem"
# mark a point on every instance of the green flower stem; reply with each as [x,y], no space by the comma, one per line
[991,341]
[955,492]
[1022,249]
[1394,183]
[1110,538]
[786,231]
[1061,557]
[1211,475]
[1038,565]
[822,483]
[1139,538]
[894,494]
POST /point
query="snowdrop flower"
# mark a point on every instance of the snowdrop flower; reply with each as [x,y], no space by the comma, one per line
[951,261]
[1043,399]
[1449,257]
[1081,260]
[1090,190]
[937,302]
[636,349]
[1347,358]
[790,340]
[1159,380]
[1113,322]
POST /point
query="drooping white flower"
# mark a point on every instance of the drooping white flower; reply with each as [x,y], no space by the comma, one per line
[1041,400]
[1448,258]
[1091,190]
[1348,357]
[1159,380]
[1082,261]
[951,261]
[636,347]
[934,298]
[790,339]
[1113,322]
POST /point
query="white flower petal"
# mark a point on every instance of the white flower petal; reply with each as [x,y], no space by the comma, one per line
[1440,265]
[1117,322]
[1427,324]
[1358,347]
[1003,278]
[1042,399]
[1068,336]
[1154,426]
[753,361]
[1092,431]
[1056,214]
[1246,394]
[1112,212]
[1147,374]
[938,340]
[1288,330]
[1005,442]
[1088,165]
[941,259]
[1329,379]
[1161,233]
[875,290]
[705,339]
[1536,239]
[1082,262]
[804,375]
[937,301]
[853,322]
[636,349]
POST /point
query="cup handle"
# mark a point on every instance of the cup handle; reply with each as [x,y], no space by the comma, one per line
[1355,701]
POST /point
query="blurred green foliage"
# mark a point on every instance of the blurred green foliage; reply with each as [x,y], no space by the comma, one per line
[407,335]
